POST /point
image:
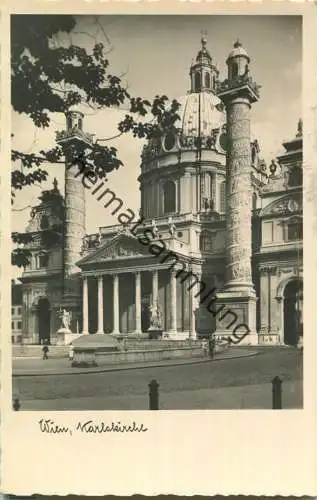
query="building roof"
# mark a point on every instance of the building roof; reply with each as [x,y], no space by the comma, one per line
[238,50]
[203,104]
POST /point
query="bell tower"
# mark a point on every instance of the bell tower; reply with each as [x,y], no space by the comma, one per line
[75,142]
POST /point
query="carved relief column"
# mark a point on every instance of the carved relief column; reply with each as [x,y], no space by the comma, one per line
[138,302]
[116,304]
[237,93]
[100,305]
[238,248]
[85,305]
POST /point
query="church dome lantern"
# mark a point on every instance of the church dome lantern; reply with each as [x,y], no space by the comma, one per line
[237,62]
[203,73]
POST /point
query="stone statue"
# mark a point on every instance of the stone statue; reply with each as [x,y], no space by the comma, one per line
[66,318]
[171,227]
[299,128]
[155,230]
[273,167]
[156,317]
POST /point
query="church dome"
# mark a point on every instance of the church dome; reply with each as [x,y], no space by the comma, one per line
[203,105]
[238,50]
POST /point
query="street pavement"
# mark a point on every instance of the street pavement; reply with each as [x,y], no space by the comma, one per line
[57,366]
[237,383]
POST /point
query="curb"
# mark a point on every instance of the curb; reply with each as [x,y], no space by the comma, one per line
[118,368]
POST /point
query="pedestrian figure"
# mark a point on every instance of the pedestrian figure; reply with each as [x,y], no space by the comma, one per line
[212,343]
[45,350]
[204,346]
[71,352]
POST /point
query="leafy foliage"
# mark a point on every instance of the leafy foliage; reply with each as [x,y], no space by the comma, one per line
[49,77]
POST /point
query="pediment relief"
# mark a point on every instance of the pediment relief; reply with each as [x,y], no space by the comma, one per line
[118,251]
[119,248]
[284,206]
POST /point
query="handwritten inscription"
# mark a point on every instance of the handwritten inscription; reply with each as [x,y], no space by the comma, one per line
[48,426]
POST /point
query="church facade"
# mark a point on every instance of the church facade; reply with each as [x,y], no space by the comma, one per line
[218,238]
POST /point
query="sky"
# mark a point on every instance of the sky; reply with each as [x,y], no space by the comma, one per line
[154,53]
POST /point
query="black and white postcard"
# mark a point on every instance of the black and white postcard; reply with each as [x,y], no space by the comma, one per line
[158,248]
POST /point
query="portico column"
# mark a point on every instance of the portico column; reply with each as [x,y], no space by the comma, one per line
[192,314]
[85,305]
[173,302]
[138,302]
[100,304]
[155,286]
[116,304]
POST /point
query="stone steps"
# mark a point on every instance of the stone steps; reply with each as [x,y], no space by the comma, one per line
[35,351]
[60,351]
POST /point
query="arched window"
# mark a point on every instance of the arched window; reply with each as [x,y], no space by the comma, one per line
[254,201]
[295,177]
[44,224]
[222,207]
[169,197]
[207,80]
[253,155]
[234,70]
[197,82]
[42,260]
[203,241]
[295,229]
[69,122]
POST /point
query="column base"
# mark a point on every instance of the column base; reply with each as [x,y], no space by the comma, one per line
[235,312]
[116,333]
[136,333]
[174,335]
[268,338]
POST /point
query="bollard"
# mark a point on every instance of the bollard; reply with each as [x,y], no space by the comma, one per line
[16,404]
[277,393]
[153,395]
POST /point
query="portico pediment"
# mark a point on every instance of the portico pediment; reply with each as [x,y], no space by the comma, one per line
[285,205]
[120,247]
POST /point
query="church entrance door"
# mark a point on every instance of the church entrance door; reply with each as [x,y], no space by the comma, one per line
[293,302]
[145,314]
[44,320]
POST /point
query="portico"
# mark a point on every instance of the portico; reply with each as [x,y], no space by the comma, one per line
[114,301]
[121,280]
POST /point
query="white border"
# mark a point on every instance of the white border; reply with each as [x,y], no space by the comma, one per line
[185,453]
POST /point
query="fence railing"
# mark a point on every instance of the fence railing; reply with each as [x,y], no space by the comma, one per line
[154,396]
